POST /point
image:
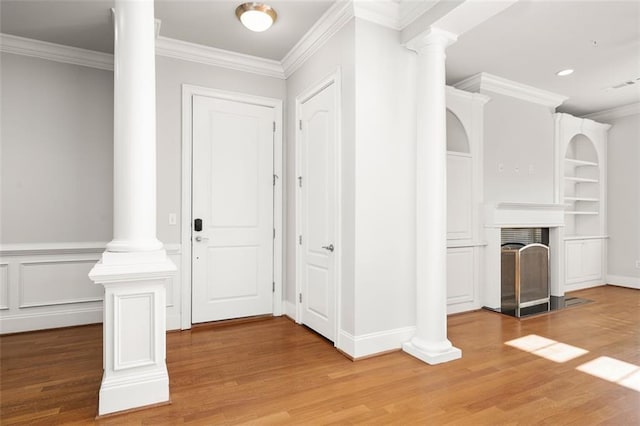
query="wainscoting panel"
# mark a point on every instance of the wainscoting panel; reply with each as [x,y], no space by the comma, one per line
[47,286]
[4,286]
[71,285]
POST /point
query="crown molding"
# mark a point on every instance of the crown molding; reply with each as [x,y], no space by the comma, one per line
[492,83]
[329,24]
[192,52]
[394,14]
[472,96]
[412,10]
[164,47]
[615,113]
[385,13]
[55,52]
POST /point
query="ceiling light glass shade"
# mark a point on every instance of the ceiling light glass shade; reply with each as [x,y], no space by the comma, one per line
[257,17]
[564,72]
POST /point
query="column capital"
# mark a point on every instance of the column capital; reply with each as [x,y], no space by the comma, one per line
[432,36]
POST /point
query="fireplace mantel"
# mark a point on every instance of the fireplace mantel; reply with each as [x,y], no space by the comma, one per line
[523,215]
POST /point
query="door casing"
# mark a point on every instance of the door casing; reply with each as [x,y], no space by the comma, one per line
[335,79]
[188,91]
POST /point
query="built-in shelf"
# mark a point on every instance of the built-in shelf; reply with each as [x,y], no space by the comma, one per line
[579,163]
[579,212]
[582,199]
[581,179]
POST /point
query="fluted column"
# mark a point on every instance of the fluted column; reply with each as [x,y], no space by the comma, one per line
[135,268]
[430,342]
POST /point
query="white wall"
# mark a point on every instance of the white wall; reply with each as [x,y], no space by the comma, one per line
[337,52]
[56,197]
[57,156]
[385,181]
[623,200]
[518,135]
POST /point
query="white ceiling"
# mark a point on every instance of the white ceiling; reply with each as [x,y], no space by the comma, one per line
[527,43]
[87,23]
[532,40]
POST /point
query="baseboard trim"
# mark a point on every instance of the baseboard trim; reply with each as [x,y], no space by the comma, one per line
[133,391]
[47,320]
[623,281]
[290,310]
[582,286]
[379,343]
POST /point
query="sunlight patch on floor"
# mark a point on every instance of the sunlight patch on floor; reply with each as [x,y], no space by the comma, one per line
[613,370]
[547,348]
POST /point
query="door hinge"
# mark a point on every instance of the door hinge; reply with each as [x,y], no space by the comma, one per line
[274,127]
[300,297]
[300,181]
[274,179]
[274,233]
[300,239]
[273,287]
[300,124]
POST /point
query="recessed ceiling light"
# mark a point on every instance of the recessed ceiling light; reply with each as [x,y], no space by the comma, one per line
[564,72]
[257,17]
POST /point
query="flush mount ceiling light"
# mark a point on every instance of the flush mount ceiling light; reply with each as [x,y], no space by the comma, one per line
[257,17]
[563,73]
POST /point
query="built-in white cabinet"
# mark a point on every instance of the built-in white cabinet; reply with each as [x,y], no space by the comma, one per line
[581,158]
[464,197]
[583,261]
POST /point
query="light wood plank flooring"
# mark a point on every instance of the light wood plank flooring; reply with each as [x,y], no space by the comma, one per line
[276,372]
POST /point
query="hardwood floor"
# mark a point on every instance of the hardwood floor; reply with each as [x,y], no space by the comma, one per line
[276,372]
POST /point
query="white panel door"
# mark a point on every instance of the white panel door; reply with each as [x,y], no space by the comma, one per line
[233,196]
[317,190]
[459,196]
[592,259]
[573,261]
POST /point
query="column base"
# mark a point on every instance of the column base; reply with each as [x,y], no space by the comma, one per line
[133,391]
[134,328]
[432,358]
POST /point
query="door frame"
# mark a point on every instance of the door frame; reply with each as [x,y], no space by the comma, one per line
[335,79]
[188,92]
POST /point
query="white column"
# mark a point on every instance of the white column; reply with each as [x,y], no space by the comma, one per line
[134,115]
[135,268]
[430,343]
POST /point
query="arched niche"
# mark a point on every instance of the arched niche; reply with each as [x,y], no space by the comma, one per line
[457,139]
[582,148]
[459,180]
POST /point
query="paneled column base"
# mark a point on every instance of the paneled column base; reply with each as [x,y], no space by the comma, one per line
[432,358]
[134,329]
[133,391]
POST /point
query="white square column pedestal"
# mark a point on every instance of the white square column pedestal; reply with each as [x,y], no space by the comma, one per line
[134,328]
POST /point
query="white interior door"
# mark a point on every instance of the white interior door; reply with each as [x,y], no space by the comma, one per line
[317,191]
[233,198]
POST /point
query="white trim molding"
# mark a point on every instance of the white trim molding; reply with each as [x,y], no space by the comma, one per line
[615,113]
[188,92]
[484,81]
[622,281]
[34,249]
[374,343]
[329,24]
[206,55]
[55,52]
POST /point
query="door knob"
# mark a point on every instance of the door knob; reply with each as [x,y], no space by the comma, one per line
[199,238]
[329,247]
